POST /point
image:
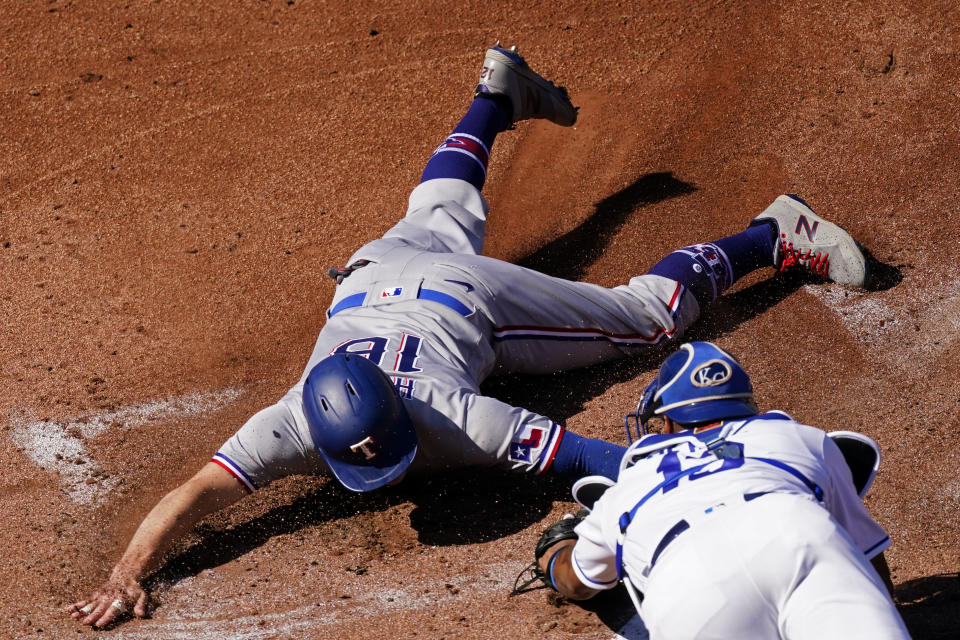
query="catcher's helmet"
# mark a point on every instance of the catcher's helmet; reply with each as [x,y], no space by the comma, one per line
[699,383]
[358,422]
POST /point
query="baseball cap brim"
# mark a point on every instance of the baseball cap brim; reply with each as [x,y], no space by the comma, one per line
[712,410]
[362,478]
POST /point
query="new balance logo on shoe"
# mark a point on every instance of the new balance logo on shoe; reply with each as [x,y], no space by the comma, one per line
[804,224]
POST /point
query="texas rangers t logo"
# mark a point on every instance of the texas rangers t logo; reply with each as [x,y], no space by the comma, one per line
[364,447]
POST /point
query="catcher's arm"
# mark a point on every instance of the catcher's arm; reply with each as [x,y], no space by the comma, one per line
[561,575]
[211,489]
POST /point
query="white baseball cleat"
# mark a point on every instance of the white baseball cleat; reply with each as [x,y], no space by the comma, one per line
[506,73]
[820,246]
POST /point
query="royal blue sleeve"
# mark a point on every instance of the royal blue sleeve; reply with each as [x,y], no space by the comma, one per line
[578,456]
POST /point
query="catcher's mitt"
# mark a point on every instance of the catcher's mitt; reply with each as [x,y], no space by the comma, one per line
[556,532]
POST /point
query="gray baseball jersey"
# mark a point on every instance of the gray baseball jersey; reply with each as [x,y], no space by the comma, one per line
[439,318]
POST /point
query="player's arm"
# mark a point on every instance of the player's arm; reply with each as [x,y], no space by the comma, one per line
[578,456]
[557,565]
[531,442]
[210,490]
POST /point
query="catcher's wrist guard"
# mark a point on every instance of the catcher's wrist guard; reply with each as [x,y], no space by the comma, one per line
[549,579]
[533,573]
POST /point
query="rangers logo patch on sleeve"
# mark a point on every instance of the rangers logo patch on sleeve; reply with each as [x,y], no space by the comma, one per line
[523,445]
[534,446]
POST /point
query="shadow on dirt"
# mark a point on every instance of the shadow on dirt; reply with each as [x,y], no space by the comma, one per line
[882,276]
[571,254]
[463,507]
[469,507]
[931,606]
[615,609]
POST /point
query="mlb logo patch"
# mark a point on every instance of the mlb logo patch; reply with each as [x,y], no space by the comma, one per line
[391,292]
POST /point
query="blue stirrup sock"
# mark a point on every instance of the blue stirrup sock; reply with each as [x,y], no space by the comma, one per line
[578,456]
[466,151]
[750,249]
[709,269]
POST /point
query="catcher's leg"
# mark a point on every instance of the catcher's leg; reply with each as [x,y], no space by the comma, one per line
[835,594]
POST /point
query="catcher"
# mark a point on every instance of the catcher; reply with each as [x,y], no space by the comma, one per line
[731,523]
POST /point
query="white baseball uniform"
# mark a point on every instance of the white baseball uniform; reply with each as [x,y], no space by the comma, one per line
[741,546]
[439,318]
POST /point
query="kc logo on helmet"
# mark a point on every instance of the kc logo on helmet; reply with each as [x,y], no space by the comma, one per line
[712,373]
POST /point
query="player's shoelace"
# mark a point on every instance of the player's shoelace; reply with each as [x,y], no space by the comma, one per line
[818,264]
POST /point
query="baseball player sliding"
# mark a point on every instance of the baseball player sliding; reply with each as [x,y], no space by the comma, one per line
[733,524]
[420,318]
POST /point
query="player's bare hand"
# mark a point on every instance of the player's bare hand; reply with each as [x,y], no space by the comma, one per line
[109,603]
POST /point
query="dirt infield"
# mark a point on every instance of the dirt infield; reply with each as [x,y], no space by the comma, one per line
[177,177]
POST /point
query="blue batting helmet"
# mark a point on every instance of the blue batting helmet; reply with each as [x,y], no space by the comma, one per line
[699,383]
[358,422]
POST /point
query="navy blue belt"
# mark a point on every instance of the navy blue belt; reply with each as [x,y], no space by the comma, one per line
[683,525]
[356,300]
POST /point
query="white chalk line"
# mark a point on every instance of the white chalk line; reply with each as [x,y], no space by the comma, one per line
[921,323]
[58,446]
[310,619]
[314,616]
